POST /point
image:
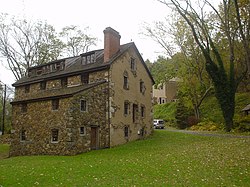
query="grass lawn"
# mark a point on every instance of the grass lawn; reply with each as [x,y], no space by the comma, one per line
[165,159]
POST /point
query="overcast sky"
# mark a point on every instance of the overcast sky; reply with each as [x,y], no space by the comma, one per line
[125,16]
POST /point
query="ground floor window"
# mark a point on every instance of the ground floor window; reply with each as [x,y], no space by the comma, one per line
[126,130]
[82,131]
[23,135]
[54,135]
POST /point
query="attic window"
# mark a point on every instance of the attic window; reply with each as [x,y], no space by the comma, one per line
[132,64]
[39,71]
[58,66]
[62,66]
[89,59]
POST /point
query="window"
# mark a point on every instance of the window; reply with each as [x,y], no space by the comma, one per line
[126,130]
[83,105]
[132,64]
[64,82]
[135,113]
[39,71]
[24,107]
[142,87]
[85,78]
[125,82]
[43,85]
[27,88]
[54,135]
[23,135]
[142,111]
[126,108]
[82,131]
[55,104]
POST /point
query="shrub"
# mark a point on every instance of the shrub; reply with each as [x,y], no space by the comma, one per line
[192,120]
[242,124]
[206,126]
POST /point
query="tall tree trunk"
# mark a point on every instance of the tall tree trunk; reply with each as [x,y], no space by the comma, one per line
[224,92]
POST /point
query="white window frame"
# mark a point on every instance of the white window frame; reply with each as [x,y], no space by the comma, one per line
[86,105]
[84,131]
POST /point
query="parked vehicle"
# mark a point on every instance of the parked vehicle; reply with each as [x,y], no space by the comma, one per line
[159,124]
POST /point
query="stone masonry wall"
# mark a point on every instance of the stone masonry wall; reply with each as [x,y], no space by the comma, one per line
[142,126]
[40,119]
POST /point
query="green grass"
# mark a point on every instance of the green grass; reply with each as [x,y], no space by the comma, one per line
[165,159]
[4,149]
[165,112]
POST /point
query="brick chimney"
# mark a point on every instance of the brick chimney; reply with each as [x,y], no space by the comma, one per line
[111,43]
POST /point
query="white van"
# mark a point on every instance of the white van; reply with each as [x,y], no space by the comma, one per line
[159,124]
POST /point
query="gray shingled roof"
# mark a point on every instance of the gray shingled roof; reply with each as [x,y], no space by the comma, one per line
[57,93]
[77,67]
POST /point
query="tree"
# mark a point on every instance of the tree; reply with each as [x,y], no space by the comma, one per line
[225,82]
[76,41]
[195,83]
[24,44]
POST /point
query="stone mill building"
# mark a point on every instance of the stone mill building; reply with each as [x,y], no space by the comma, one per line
[96,100]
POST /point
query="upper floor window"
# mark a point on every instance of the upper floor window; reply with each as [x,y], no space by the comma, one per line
[27,88]
[54,135]
[142,87]
[83,105]
[126,108]
[142,111]
[55,104]
[43,85]
[39,71]
[125,80]
[85,78]
[64,82]
[132,64]
[24,107]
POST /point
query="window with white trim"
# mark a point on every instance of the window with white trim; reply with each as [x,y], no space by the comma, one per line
[54,135]
[132,64]
[23,135]
[83,105]
[82,131]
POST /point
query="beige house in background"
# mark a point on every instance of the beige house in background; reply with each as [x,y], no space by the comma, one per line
[98,99]
[166,92]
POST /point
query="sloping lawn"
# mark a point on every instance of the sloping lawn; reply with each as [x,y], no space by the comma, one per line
[165,159]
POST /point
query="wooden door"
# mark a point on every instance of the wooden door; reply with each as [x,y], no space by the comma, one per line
[94,138]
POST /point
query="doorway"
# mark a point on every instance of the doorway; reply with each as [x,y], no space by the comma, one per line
[94,138]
